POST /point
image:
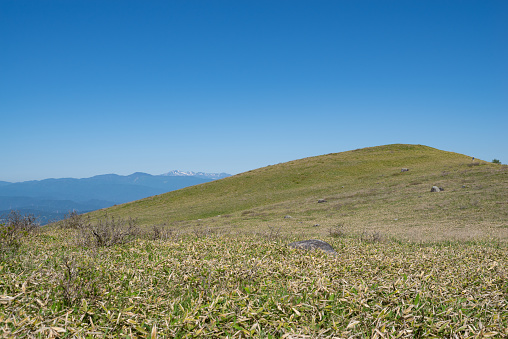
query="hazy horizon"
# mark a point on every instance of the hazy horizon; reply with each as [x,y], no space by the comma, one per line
[128,174]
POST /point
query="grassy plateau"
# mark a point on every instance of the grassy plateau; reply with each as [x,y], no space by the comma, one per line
[213,260]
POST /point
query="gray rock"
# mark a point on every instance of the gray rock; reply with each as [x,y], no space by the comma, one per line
[436,189]
[313,244]
[287,217]
[404,169]
[321,200]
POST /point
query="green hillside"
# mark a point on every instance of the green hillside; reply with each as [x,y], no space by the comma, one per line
[365,190]
[221,267]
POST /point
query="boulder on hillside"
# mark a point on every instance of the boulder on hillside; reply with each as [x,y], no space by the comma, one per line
[436,189]
[314,244]
[321,200]
[404,169]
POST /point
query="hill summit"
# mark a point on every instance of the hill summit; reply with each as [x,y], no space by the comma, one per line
[384,189]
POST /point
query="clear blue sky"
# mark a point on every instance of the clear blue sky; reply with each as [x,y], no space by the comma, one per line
[93,87]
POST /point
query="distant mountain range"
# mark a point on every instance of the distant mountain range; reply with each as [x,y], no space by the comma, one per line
[52,199]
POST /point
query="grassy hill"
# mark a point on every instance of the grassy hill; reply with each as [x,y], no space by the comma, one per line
[226,270]
[365,190]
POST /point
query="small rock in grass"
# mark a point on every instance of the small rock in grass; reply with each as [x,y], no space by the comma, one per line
[312,245]
[321,200]
[436,189]
[287,217]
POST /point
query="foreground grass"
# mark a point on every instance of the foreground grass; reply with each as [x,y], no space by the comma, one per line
[250,285]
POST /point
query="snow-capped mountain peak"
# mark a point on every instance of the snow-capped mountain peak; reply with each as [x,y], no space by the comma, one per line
[177,173]
[213,176]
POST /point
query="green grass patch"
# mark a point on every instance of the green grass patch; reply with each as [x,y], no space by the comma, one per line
[247,286]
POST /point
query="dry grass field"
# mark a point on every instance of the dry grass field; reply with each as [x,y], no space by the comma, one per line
[212,260]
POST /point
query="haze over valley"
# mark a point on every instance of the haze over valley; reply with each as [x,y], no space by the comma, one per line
[51,199]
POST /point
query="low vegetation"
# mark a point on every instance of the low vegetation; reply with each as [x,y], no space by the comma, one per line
[243,285]
[213,260]
[12,232]
[104,232]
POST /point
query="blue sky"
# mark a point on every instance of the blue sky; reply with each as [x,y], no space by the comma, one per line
[92,87]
